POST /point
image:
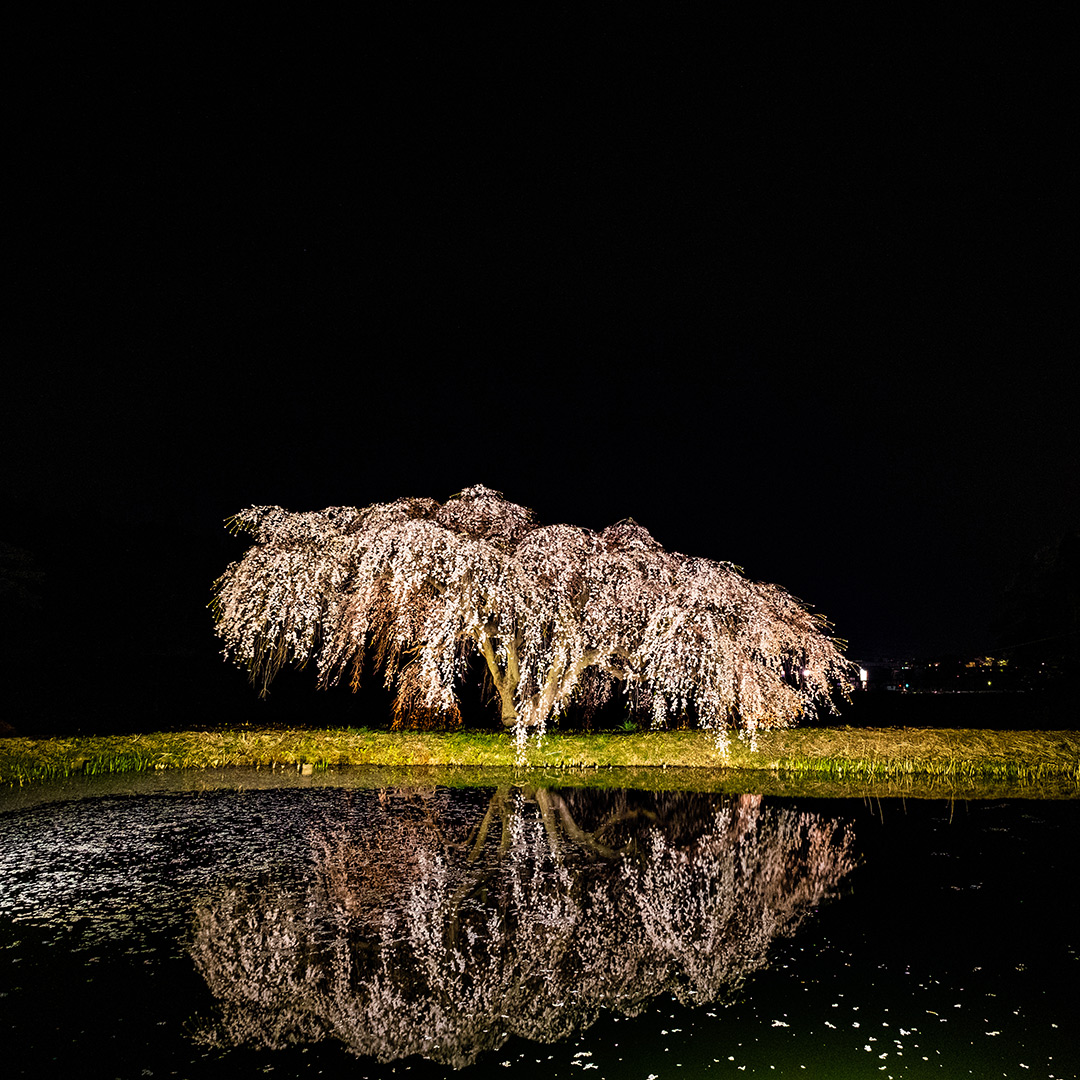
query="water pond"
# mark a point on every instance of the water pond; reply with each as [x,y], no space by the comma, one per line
[343,926]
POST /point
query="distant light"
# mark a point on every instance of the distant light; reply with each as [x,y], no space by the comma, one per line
[863,675]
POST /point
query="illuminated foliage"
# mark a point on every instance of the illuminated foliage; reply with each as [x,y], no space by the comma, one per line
[559,614]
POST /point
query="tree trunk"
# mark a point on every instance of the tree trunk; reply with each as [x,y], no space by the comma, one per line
[506,682]
[509,714]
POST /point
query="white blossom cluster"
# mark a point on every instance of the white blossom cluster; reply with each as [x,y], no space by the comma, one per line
[559,614]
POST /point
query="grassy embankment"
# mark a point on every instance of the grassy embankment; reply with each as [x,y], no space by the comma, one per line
[915,756]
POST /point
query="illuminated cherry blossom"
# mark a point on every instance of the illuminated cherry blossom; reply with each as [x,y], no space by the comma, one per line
[559,615]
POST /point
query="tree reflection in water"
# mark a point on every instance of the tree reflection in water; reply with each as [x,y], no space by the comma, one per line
[425,926]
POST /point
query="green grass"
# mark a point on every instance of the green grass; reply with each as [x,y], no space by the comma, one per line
[915,757]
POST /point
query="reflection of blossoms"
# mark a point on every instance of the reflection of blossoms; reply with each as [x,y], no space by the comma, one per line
[549,910]
[709,912]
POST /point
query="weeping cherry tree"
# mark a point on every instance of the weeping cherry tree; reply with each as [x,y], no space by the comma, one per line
[559,615]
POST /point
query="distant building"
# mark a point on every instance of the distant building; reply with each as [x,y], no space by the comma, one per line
[949,675]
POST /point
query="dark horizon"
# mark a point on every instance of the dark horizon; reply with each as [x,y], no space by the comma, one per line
[792,297]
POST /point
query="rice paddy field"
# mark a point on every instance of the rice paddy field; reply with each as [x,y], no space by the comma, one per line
[381,921]
[838,902]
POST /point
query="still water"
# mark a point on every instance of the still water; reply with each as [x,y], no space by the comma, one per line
[375,931]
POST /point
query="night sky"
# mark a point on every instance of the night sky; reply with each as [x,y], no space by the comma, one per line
[791,294]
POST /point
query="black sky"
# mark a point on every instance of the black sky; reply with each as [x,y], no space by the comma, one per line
[793,294]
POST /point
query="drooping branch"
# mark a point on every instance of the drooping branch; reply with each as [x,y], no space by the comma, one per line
[558,614]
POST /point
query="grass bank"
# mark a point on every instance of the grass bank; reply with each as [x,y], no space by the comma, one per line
[829,754]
